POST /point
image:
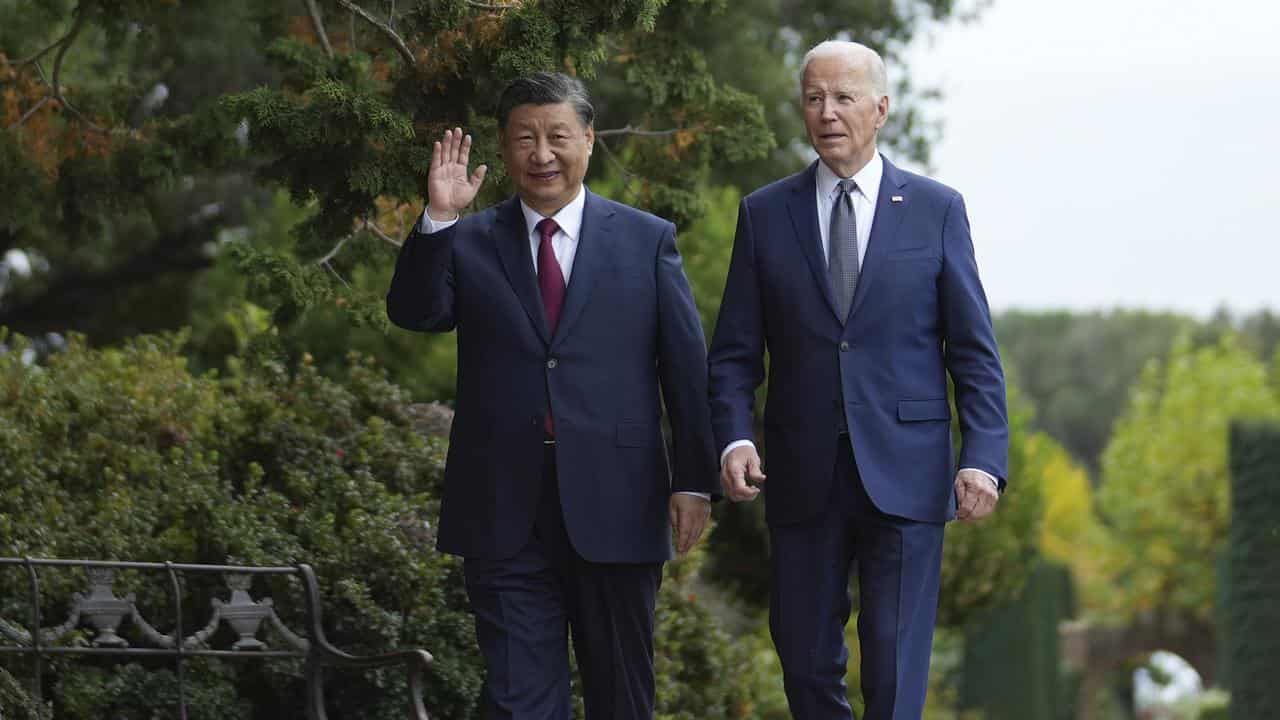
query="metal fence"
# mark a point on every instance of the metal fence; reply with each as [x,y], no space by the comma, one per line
[103,612]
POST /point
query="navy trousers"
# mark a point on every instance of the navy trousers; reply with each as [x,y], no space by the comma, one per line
[898,563]
[527,607]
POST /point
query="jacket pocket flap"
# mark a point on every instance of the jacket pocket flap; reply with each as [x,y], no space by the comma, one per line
[632,434]
[917,410]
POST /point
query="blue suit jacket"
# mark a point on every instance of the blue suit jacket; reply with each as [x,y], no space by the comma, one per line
[628,328]
[919,313]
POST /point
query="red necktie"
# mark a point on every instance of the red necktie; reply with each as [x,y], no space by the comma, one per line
[551,285]
[550,277]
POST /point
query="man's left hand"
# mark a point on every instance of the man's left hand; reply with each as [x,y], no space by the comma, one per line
[976,495]
[689,515]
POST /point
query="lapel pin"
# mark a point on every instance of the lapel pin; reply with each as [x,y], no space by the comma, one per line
[896,198]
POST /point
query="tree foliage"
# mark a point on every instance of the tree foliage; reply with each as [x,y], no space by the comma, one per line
[1077,368]
[118,172]
[144,141]
[1165,494]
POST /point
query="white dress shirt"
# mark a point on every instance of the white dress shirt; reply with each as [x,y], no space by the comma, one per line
[564,243]
[864,210]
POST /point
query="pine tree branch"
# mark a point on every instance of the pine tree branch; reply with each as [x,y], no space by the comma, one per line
[628,130]
[55,92]
[317,24]
[29,113]
[51,46]
[62,52]
[351,32]
[62,304]
[333,253]
[392,35]
[372,226]
[329,267]
[366,225]
[55,87]
[627,175]
[488,6]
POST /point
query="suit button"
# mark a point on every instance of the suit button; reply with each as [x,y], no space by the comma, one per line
[844,346]
[551,364]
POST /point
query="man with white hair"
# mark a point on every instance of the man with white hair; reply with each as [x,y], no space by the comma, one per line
[859,279]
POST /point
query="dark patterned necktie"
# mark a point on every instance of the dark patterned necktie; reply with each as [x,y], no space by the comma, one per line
[842,248]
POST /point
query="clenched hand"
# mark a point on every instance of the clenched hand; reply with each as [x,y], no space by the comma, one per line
[740,466]
[976,495]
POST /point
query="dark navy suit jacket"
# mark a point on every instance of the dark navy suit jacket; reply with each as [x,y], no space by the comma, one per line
[629,341]
[919,313]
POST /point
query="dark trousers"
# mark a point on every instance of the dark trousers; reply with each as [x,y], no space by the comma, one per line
[527,606]
[898,562]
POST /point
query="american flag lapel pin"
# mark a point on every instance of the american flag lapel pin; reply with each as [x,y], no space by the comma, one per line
[896,198]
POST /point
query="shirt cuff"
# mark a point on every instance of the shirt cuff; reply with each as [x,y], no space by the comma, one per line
[987,475]
[432,227]
[730,447]
[704,496]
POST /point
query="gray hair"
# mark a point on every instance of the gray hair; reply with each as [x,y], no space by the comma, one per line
[857,54]
[546,88]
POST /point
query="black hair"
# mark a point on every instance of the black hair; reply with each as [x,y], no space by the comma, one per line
[545,88]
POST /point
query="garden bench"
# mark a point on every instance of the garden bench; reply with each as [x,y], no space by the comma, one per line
[102,612]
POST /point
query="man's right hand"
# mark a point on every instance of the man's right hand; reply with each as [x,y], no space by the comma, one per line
[449,188]
[741,465]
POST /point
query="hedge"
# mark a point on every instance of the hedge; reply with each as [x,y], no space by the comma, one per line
[1253,614]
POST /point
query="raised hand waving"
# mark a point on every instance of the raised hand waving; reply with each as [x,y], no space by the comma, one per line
[449,187]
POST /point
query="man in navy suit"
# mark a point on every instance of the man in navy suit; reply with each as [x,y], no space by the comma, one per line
[859,280]
[576,328]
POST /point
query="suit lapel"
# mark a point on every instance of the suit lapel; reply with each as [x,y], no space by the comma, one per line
[884,230]
[804,219]
[512,240]
[595,246]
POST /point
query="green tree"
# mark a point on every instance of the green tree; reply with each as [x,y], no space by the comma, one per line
[1077,368]
[128,173]
[103,165]
[1165,482]
[117,172]
[1164,506]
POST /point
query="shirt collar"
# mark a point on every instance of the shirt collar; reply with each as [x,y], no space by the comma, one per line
[569,218]
[868,178]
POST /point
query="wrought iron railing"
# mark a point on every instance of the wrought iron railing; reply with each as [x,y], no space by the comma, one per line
[104,612]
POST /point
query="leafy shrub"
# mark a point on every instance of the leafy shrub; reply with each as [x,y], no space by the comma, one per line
[14,701]
[124,454]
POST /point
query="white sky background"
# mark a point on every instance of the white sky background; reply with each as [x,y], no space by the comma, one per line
[1115,153]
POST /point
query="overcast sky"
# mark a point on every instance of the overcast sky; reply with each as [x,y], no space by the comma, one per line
[1115,153]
